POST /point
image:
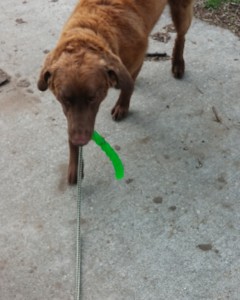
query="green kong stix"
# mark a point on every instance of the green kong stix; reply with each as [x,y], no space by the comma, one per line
[111,153]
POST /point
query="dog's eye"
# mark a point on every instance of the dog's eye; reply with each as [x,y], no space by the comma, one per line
[91,99]
[68,101]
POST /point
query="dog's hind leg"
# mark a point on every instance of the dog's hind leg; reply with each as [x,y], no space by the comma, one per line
[181,11]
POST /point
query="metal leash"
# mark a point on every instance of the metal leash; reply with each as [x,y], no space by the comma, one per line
[79,244]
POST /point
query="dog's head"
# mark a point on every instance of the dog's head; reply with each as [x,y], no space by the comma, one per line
[80,83]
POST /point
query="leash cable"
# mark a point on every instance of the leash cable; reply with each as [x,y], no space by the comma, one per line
[79,242]
[119,173]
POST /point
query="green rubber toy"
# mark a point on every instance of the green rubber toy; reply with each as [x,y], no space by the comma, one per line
[111,153]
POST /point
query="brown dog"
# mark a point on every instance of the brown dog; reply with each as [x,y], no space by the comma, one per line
[103,45]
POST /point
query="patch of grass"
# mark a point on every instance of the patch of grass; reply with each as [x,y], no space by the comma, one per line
[217,3]
[213,3]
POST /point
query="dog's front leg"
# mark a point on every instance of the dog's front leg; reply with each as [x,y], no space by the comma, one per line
[120,110]
[120,78]
[73,163]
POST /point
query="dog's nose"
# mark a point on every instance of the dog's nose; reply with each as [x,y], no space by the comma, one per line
[80,139]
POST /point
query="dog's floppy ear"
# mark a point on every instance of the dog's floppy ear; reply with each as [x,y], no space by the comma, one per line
[43,80]
[118,74]
[45,75]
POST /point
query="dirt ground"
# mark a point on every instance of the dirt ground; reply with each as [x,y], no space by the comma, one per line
[226,16]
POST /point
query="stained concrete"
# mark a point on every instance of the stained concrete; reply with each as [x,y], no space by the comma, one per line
[170,229]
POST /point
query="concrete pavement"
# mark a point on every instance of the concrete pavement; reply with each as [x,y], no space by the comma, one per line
[170,229]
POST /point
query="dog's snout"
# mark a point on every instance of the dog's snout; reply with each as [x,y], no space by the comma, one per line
[81,137]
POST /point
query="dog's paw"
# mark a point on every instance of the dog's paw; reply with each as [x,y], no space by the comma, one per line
[178,68]
[118,112]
